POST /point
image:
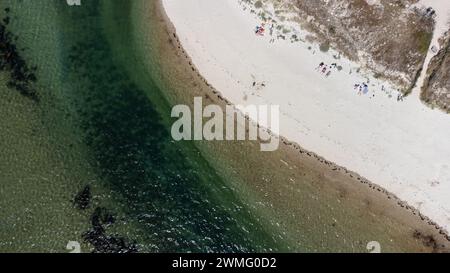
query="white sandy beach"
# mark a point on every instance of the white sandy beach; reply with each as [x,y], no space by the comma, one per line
[401,146]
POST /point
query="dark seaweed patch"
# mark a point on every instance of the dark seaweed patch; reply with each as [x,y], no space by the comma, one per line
[21,76]
[83,198]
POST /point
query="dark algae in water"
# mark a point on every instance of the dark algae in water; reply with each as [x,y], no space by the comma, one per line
[21,76]
[180,203]
[103,243]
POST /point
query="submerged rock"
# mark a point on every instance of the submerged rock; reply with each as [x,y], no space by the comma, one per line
[428,241]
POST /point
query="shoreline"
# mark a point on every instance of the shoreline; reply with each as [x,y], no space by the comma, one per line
[326,163]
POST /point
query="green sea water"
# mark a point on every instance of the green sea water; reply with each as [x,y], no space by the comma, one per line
[96,126]
[103,120]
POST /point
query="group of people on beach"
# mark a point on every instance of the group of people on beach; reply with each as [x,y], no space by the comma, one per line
[326,69]
[260,30]
[362,88]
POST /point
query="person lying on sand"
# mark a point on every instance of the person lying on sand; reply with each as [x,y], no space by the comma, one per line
[320,66]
